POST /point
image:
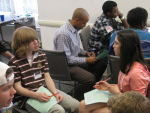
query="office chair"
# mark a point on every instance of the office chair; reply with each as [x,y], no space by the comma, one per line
[84,36]
[58,67]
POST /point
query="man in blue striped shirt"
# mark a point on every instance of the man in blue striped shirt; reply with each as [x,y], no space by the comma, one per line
[86,69]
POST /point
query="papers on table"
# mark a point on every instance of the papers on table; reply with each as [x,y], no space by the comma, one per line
[96,96]
[42,107]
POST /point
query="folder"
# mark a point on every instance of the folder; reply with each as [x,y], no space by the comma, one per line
[97,96]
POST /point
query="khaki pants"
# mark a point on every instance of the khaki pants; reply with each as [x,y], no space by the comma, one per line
[67,104]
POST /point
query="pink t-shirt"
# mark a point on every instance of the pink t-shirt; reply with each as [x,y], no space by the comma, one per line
[137,79]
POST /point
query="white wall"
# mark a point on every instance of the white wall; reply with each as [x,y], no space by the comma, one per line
[54,13]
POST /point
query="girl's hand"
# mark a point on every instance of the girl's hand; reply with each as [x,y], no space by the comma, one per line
[102,85]
[114,89]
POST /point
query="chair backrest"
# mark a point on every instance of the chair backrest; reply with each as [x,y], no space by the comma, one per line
[148,90]
[114,69]
[113,61]
[84,36]
[58,66]
[148,61]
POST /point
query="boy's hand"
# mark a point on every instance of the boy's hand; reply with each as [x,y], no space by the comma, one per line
[42,97]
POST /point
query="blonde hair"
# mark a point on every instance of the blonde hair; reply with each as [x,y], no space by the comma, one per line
[22,37]
[129,102]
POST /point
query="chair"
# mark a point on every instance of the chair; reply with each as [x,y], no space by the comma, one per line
[114,69]
[148,61]
[84,36]
[58,67]
[148,90]
[113,61]
[16,109]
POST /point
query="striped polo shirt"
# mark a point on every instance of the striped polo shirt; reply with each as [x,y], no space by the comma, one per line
[27,74]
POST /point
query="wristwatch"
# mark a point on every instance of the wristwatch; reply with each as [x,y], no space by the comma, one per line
[122,17]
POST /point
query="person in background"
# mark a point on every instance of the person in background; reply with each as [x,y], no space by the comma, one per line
[31,72]
[129,102]
[104,27]
[5,52]
[84,67]
[137,20]
[134,74]
[6,85]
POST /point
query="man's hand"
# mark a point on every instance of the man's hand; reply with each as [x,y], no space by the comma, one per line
[91,59]
[119,14]
[89,54]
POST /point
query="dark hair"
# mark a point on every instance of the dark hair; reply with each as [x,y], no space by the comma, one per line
[136,16]
[108,6]
[130,50]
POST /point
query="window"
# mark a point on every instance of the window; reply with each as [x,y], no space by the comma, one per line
[5,6]
[11,8]
[24,7]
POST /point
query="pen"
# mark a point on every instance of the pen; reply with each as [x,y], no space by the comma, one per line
[91,51]
[54,94]
[104,80]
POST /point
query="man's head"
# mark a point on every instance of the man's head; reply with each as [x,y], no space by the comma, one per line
[137,18]
[110,9]
[80,18]
[6,85]
[129,102]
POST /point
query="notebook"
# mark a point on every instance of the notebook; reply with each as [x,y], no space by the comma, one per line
[97,96]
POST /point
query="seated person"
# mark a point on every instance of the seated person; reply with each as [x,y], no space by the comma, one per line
[105,26]
[134,74]
[137,19]
[31,72]
[85,69]
[5,52]
[6,85]
[129,102]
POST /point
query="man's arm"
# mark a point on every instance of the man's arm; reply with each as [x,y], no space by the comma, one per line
[122,18]
[7,54]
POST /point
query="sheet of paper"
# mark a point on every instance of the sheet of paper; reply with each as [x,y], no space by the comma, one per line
[96,96]
[42,107]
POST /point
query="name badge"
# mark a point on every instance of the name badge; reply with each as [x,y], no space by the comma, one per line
[108,29]
[37,75]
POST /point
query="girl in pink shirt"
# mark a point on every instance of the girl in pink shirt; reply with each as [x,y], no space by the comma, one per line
[134,73]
